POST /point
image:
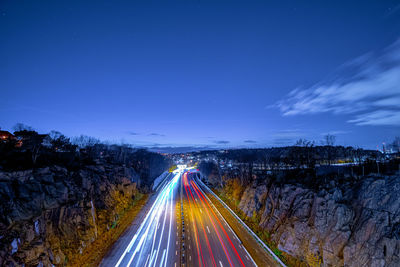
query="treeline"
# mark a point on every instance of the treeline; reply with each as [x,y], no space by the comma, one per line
[28,149]
[313,166]
[300,155]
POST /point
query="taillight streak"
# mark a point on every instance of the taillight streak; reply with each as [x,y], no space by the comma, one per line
[220,224]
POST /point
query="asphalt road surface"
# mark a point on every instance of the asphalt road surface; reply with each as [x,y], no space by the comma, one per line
[181,227]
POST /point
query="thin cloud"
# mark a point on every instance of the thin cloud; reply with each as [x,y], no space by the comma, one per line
[392,11]
[337,132]
[370,92]
[182,149]
[283,141]
[379,117]
[133,133]
[221,142]
[250,141]
[156,134]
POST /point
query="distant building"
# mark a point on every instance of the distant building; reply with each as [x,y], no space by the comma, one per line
[5,136]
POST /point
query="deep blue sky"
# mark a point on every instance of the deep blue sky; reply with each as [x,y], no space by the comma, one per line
[214,73]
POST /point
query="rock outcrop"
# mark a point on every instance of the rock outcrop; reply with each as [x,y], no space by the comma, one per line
[50,214]
[351,223]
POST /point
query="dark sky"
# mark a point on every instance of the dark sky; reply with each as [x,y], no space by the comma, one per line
[216,73]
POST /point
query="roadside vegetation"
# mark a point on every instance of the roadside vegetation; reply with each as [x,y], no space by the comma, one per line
[243,179]
[100,247]
[65,201]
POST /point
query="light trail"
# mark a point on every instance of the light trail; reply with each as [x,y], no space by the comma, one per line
[149,239]
[223,229]
[198,245]
[204,231]
[219,237]
[156,241]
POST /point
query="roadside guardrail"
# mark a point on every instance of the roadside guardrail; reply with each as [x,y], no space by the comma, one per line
[245,226]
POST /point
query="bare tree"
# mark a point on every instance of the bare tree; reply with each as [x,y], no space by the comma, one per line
[31,140]
[22,127]
[60,142]
[301,142]
[396,144]
[55,135]
[330,139]
[85,141]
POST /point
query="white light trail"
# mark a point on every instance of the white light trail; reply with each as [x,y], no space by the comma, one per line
[149,228]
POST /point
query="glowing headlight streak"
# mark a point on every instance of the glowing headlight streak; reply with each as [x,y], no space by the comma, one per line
[151,221]
[153,224]
[170,224]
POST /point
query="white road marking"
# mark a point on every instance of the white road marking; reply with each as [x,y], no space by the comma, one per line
[189,246]
[220,263]
[153,253]
[163,257]
[175,264]
[147,260]
[176,252]
[190,258]
[208,229]
[177,242]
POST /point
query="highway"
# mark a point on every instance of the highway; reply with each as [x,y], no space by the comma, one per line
[209,241]
[155,241]
[180,227]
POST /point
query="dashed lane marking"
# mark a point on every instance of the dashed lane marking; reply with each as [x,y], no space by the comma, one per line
[147,259]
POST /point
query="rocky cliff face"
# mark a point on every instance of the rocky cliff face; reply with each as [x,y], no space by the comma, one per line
[340,224]
[48,215]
